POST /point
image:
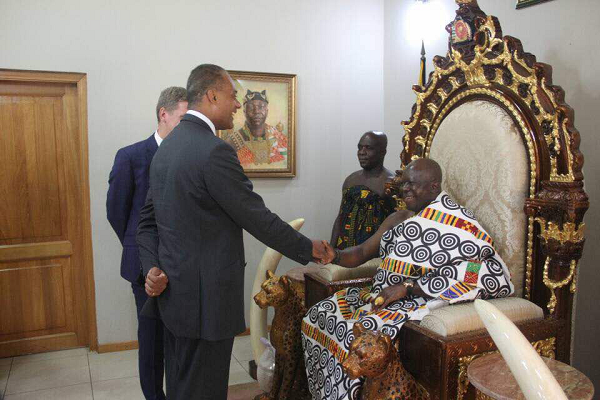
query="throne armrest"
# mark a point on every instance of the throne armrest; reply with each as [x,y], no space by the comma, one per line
[463,318]
[318,288]
[325,280]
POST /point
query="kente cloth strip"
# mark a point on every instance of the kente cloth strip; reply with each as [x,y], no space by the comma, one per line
[443,249]
[362,212]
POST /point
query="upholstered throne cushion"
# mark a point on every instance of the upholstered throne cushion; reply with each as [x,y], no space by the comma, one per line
[461,318]
[332,272]
[486,168]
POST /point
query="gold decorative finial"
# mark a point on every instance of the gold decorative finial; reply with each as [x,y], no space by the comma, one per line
[471,2]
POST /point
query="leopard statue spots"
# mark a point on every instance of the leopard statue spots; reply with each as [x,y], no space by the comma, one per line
[287,297]
[374,356]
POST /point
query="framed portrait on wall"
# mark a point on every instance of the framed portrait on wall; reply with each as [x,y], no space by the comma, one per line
[527,3]
[264,129]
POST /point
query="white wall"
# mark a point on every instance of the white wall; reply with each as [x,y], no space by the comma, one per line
[132,50]
[562,33]
[353,76]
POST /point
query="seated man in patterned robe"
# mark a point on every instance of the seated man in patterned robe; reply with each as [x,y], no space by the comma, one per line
[437,256]
[364,203]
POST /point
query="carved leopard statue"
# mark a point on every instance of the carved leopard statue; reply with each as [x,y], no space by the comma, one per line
[287,297]
[374,356]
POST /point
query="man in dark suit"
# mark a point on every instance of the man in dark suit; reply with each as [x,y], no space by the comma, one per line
[190,238]
[128,186]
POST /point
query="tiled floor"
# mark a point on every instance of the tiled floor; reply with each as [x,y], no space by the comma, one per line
[82,375]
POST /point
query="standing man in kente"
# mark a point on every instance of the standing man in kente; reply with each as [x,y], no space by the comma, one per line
[364,202]
[128,186]
[190,238]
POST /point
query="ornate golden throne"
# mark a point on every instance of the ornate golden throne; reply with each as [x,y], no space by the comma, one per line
[504,136]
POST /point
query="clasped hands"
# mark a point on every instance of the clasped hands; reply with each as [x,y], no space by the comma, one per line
[322,252]
[156,282]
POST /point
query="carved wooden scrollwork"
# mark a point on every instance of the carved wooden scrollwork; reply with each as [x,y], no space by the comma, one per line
[490,60]
[563,246]
[482,396]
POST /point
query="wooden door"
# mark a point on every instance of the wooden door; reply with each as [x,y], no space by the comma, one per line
[46,277]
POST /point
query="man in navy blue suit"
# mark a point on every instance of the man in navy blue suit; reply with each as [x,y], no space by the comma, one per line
[128,186]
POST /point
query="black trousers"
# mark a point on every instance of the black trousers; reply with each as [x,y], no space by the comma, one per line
[151,353]
[197,369]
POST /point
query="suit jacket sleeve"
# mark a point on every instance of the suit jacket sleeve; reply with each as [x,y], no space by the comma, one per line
[147,236]
[120,193]
[232,190]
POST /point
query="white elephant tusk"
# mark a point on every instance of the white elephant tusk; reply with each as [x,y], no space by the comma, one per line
[533,376]
[258,318]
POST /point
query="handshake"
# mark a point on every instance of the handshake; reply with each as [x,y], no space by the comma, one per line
[322,252]
[157,280]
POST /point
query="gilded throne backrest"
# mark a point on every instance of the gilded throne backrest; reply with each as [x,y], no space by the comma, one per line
[486,169]
[504,135]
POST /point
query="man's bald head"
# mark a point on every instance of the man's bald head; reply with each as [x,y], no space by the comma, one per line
[372,148]
[430,169]
[378,137]
[421,183]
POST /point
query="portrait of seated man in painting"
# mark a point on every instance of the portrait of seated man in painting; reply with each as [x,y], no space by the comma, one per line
[365,204]
[257,143]
[434,253]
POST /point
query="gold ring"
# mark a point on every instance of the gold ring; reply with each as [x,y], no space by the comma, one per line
[379,301]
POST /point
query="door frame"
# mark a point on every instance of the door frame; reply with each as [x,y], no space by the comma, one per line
[85,292]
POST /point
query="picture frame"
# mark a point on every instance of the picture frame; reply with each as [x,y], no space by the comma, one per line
[527,3]
[264,130]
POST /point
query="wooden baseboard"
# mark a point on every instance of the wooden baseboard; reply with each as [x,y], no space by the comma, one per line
[111,347]
[40,344]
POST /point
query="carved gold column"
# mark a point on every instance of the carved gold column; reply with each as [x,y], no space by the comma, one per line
[556,221]
[562,246]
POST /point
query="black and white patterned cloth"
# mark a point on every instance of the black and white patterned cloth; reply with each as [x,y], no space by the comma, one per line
[443,249]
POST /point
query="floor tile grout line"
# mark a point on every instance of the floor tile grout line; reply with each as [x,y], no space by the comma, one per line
[7,378]
[90,372]
[114,379]
[246,370]
[14,359]
[41,390]
[91,382]
[43,360]
[239,362]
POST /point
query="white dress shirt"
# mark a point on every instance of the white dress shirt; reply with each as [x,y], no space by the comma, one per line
[157,138]
[203,118]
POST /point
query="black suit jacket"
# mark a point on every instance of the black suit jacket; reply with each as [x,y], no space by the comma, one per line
[127,190]
[191,227]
